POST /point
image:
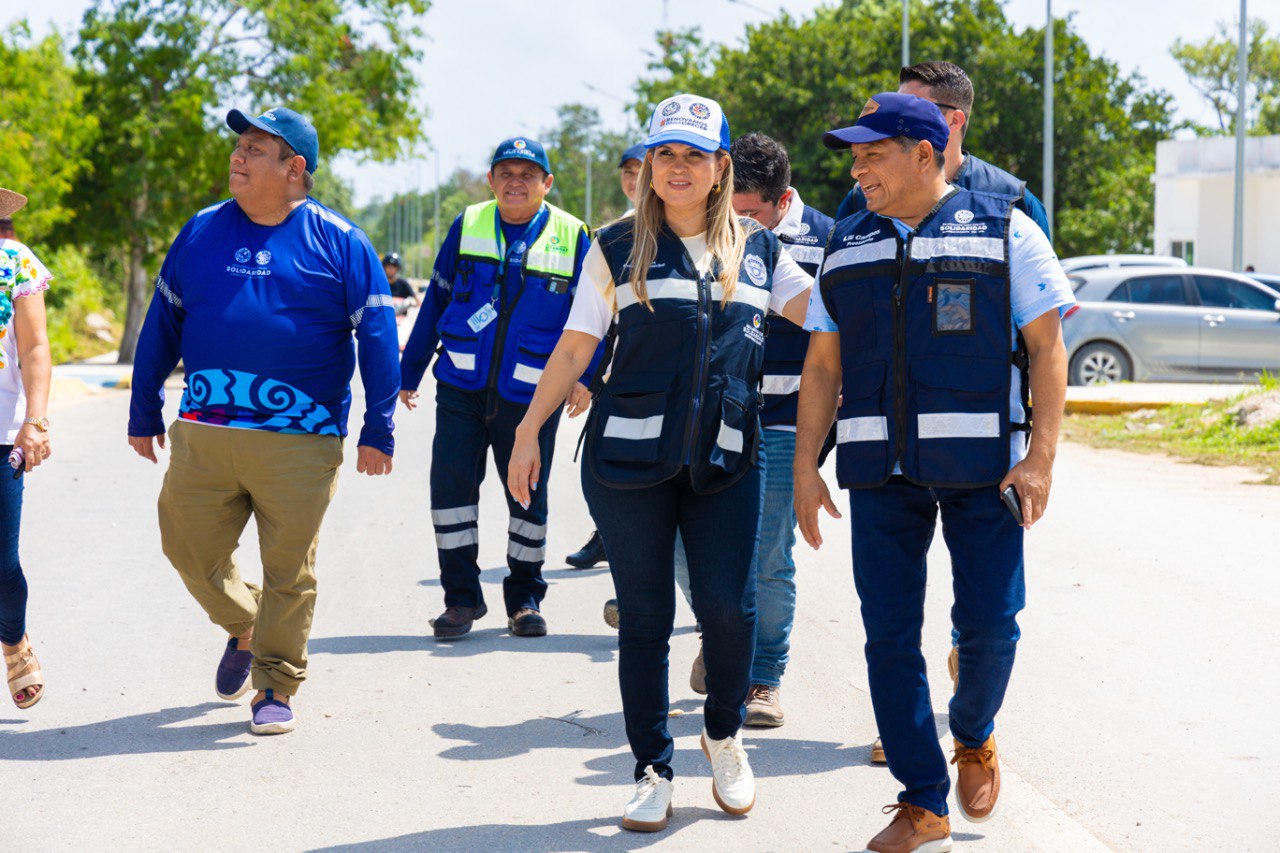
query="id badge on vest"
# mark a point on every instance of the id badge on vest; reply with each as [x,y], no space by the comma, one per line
[486,315]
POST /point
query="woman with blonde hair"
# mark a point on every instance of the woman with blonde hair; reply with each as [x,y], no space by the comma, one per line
[24,399]
[674,437]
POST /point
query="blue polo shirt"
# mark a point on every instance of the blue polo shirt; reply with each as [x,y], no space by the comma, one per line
[263,319]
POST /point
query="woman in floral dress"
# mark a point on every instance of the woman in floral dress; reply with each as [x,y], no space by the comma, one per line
[24,439]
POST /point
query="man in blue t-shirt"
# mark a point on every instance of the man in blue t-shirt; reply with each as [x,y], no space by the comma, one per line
[949,87]
[259,297]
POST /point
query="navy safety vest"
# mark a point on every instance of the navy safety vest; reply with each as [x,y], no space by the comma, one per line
[787,343]
[683,386]
[529,289]
[925,344]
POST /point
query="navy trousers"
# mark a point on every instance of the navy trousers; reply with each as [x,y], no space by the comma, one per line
[13,584]
[720,533]
[468,424]
[892,529]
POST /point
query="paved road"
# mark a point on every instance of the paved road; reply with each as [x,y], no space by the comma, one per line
[1141,715]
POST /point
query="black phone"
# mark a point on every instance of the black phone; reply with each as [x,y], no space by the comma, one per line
[1013,502]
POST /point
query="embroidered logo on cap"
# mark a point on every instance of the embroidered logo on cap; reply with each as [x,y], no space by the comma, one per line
[671,108]
[520,143]
[870,108]
[699,110]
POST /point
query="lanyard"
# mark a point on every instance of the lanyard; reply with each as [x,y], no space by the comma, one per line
[531,230]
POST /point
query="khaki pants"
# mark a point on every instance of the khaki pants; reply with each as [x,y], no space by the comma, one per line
[217,477]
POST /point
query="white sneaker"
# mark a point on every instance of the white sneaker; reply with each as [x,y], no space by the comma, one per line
[650,806]
[732,782]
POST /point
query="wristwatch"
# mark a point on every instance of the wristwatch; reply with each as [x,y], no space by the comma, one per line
[41,424]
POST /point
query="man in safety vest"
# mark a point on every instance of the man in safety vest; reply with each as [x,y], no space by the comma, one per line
[497,302]
[947,86]
[937,309]
[762,191]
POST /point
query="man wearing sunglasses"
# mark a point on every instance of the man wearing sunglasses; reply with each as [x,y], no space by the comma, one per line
[950,88]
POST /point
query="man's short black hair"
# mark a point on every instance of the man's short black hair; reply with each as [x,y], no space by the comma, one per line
[947,82]
[760,165]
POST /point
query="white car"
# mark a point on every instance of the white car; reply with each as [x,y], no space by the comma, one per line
[1110,262]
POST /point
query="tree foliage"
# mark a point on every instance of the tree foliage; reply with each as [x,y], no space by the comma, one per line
[44,129]
[1211,66]
[161,71]
[794,78]
[576,138]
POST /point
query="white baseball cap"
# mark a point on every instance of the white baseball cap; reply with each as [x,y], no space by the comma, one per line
[690,119]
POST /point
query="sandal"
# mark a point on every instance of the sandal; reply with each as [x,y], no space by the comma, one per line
[26,681]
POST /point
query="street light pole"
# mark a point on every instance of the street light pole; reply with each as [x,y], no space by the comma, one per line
[1048,113]
[1242,92]
[591,155]
[906,33]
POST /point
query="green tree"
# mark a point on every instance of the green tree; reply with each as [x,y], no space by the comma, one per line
[794,78]
[1211,66]
[44,129]
[576,138]
[157,71]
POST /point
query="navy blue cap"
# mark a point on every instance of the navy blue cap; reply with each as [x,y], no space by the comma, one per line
[691,120]
[891,114]
[521,148]
[635,152]
[294,128]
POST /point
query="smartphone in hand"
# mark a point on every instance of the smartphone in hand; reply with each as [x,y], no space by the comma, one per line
[1013,502]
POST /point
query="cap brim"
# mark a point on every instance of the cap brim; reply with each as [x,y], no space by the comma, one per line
[10,203]
[684,137]
[521,159]
[843,137]
[239,122]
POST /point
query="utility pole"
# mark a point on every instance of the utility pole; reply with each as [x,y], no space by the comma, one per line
[1242,93]
[591,155]
[1048,113]
[906,33]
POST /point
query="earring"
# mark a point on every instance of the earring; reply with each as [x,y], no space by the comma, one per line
[716,188]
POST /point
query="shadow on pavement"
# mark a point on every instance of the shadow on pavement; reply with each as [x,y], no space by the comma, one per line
[599,648]
[603,833]
[139,734]
[770,758]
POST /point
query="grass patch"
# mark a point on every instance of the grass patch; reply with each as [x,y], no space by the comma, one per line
[1207,433]
[82,309]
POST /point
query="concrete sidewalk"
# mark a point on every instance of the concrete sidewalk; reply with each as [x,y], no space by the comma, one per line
[1138,718]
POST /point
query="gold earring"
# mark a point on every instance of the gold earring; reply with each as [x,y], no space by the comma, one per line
[716,188]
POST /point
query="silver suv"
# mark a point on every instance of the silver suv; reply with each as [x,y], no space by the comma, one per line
[1171,324]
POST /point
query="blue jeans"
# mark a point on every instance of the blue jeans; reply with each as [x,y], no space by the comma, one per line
[892,527]
[720,533]
[775,569]
[13,584]
[468,424]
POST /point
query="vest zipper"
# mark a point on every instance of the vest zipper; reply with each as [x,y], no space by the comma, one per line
[899,354]
[504,320]
[704,356]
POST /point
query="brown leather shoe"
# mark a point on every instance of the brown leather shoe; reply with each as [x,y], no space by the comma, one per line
[698,674]
[456,621]
[764,706]
[877,752]
[913,828]
[953,667]
[978,780]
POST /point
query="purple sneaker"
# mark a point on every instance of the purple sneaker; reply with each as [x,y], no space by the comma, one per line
[271,716]
[232,678]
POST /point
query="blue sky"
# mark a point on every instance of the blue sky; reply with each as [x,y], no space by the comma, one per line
[492,68]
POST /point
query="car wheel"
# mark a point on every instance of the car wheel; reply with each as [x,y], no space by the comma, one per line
[1099,364]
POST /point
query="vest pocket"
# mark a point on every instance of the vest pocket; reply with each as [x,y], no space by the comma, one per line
[532,351]
[956,422]
[856,310]
[632,417]
[862,428]
[739,426]
[461,351]
[952,306]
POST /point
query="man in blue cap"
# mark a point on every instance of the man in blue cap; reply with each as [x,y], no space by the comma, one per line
[937,310]
[498,299]
[949,87]
[260,296]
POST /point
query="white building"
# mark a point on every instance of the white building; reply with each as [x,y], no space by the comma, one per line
[1195,200]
